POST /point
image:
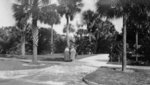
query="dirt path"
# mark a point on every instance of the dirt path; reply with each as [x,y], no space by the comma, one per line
[70,73]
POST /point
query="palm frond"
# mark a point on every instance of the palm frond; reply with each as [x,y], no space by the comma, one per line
[71,28]
[69,7]
[116,8]
[46,2]
[49,15]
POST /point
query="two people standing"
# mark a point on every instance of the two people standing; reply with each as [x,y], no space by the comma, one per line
[70,53]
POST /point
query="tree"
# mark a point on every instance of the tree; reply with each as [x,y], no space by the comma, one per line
[71,37]
[118,8]
[10,40]
[45,40]
[51,17]
[84,43]
[69,8]
[70,28]
[82,32]
[136,22]
[21,18]
[32,9]
[102,30]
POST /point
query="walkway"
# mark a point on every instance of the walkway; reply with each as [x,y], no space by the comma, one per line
[70,73]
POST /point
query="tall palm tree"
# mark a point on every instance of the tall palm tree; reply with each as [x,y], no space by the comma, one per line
[32,9]
[21,18]
[104,30]
[70,28]
[69,8]
[120,8]
[50,16]
[137,23]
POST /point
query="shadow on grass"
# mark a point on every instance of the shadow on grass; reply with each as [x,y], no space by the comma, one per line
[113,76]
[53,59]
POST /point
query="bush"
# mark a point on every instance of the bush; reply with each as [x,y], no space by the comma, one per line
[60,45]
[84,46]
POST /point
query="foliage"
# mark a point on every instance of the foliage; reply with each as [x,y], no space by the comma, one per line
[10,40]
[119,8]
[37,10]
[82,32]
[71,28]
[84,42]
[103,31]
[69,7]
[144,41]
[60,44]
[49,15]
[117,49]
[44,45]
[134,12]
[84,46]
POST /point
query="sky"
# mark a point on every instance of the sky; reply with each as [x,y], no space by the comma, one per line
[7,19]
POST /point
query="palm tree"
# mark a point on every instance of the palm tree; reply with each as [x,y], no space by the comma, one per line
[120,8]
[32,9]
[136,22]
[69,8]
[100,29]
[21,18]
[50,16]
[70,28]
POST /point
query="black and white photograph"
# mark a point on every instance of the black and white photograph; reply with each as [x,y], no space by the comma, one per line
[74,42]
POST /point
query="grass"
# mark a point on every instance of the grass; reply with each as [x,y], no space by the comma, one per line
[18,65]
[48,57]
[111,76]
[12,63]
[49,60]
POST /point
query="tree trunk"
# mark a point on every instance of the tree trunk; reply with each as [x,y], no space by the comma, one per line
[96,46]
[52,40]
[67,34]
[136,45]
[67,52]
[35,32]
[23,45]
[124,44]
[90,37]
[23,42]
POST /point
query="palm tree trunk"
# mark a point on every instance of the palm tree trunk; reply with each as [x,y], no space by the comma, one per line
[52,40]
[90,37]
[96,46]
[68,43]
[137,45]
[23,42]
[23,45]
[35,32]
[124,44]
[67,36]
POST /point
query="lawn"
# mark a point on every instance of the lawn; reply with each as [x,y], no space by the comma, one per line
[19,65]
[15,64]
[113,76]
[48,57]
[12,63]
